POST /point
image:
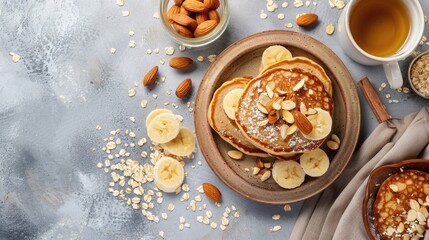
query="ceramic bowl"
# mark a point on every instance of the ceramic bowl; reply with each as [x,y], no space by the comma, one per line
[376,178]
[243,58]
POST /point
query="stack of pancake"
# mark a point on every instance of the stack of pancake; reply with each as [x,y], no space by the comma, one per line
[284,112]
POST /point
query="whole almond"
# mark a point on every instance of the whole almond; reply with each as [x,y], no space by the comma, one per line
[211,4]
[201,17]
[306,20]
[185,20]
[181,62]
[182,30]
[150,76]
[184,88]
[178,2]
[193,6]
[214,15]
[302,122]
[205,27]
[212,192]
[273,116]
[173,10]
[184,11]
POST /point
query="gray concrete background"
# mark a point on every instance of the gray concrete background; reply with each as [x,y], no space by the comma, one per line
[67,82]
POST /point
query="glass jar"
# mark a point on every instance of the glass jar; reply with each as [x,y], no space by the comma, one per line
[204,40]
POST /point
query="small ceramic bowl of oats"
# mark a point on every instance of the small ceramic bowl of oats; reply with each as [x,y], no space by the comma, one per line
[418,74]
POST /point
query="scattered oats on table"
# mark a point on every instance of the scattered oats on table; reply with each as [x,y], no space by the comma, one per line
[112,50]
[132,44]
[125,13]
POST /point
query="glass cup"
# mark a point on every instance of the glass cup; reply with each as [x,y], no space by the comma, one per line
[204,40]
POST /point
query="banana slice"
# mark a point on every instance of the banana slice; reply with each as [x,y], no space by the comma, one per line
[183,145]
[315,163]
[230,102]
[163,128]
[155,113]
[288,174]
[322,125]
[273,55]
[168,174]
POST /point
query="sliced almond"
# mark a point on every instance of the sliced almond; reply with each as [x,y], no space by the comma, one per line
[299,85]
[264,99]
[334,146]
[265,176]
[414,204]
[283,130]
[291,129]
[267,165]
[411,215]
[288,105]
[393,187]
[335,138]
[277,104]
[256,170]
[269,91]
[263,122]
[234,154]
[288,117]
[261,108]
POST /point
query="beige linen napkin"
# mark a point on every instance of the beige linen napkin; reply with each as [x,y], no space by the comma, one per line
[336,213]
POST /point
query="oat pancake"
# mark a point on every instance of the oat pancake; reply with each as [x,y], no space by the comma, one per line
[224,126]
[308,66]
[282,82]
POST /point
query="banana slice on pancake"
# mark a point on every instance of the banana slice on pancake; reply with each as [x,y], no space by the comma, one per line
[230,102]
[322,125]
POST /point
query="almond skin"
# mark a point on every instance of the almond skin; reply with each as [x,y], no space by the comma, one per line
[178,2]
[211,4]
[181,62]
[201,17]
[185,20]
[212,192]
[306,20]
[302,122]
[205,27]
[182,30]
[184,11]
[173,10]
[214,15]
[184,88]
[194,6]
[150,76]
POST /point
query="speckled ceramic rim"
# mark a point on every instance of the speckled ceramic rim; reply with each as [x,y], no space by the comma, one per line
[409,73]
[375,179]
[350,116]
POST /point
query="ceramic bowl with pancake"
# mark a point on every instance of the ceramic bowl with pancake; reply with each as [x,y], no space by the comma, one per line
[243,58]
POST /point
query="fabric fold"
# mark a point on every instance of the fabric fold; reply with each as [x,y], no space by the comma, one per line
[336,212]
